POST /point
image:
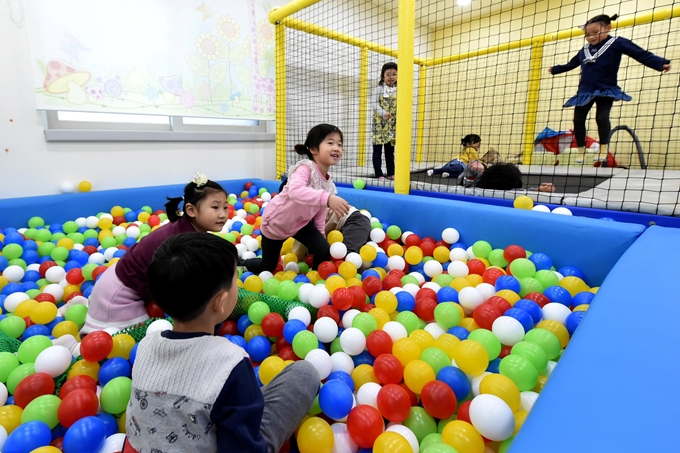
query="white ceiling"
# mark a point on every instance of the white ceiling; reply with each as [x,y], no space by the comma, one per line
[445,13]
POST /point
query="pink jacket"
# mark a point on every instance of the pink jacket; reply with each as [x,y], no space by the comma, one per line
[303,199]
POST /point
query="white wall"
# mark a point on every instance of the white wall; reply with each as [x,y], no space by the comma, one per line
[30,166]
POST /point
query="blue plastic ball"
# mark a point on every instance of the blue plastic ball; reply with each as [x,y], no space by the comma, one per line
[238,340]
[336,399]
[4,262]
[460,332]
[291,328]
[14,238]
[365,358]
[342,376]
[87,434]
[541,261]
[584,297]
[456,379]
[131,216]
[110,423]
[301,279]
[30,256]
[571,271]
[133,355]
[380,260]
[35,329]
[243,323]
[31,276]
[494,366]
[447,294]
[28,437]
[258,348]
[58,431]
[112,369]
[507,282]
[558,294]
[406,301]
[573,321]
[522,316]
[369,273]
[530,307]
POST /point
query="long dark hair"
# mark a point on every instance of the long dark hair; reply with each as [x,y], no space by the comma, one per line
[386,66]
[315,136]
[192,194]
[603,19]
[502,176]
[470,139]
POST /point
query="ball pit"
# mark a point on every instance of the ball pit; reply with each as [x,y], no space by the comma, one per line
[419,422]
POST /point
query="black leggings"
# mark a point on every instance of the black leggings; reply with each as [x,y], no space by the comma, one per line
[389,159]
[309,236]
[604,127]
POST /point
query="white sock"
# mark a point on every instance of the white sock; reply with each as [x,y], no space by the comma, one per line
[445,175]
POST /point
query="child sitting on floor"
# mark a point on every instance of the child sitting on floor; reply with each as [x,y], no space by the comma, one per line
[505,176]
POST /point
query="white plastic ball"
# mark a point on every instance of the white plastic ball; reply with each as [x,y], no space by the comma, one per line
[241,249]
[433,268]
[242,213]
[303,292]
[95,258]
[450,235]
[292,266]
[349,316]
[66,187]
[418,276]
[338,250]
[396,262]
[435,330]
[53,361]
[266,196]
[396,289]
[550,368]
[411,288]
[342,362]
[556,312]
[433,286]
[113,443]
[395,330]
[352,341]
[108,253]
[33,267]
[80,221]
[158,325]
[54,289]
[3,437]
[368,394]
[487,290]
[15,273]
[63,283]
[91,222]
[541,208]
[508,330]
[470,298]
[3,395]
[252,245]
[562,211]
[319,296]
[458,254]
[404,235]
[377,235]
[55,274]
[13,300]
[342,441]
[248,255]
[458,269]
[492,417]
[78,246]
[266,275]
[527,400]
[559,276]
[300,313]
[132,232]
[475,382]
[406,434]
[320,359]
[470,253]
[354,258]
[325,329]
[106,215]
[118,230]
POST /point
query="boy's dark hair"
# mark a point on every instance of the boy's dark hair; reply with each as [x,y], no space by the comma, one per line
[188,270]
[192,194]
[386,66]
[470,139]
[315,136]
[603,19]
[502,176]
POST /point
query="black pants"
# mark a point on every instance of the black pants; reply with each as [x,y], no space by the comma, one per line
[453,168]
[309,236]
[389,159]
[604,127]
[356,231]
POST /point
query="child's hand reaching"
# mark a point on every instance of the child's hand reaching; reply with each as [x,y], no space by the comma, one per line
[546,187]
[338,205]
[666,67]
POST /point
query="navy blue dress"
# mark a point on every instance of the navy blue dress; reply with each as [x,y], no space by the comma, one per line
[599,72]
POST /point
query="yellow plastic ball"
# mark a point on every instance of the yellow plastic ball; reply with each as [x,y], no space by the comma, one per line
[121,423]
[287,246]
[67,243]
[354,281]
[447,343]
[417,373]
[25,308]
[502,387]
[459,283]
[122,344]
[441,254]
[406,350]
[105,234]
[253,283]
[574,285]
[334,282]
[558,329]
[117,211]
[252,331]
[334,236]
[474,279]
[3,281]
[84,186]
[471,357]
[520,417]
[48,448]
[523,202]
[368,253]
[290,258]
[380,315]
[70,289]
[65,328]
[391,442]
[509,295]
[413,255]
[10,417]
[313,277]
[540,384]
[270,367]
[463,437]
[315,436]
[105,223]
[44,313]
[469,324]
[582,307]
[83,367]
[347,270]
[386,300]
[143,216]
[382,272]
[423,338]
[289,275]
[395,250]
[363,374]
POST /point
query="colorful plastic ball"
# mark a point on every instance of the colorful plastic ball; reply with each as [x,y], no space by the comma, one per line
[319,296]
[83,367]
[336,399]
[32,347]
[420,422]
[463,437]
[520,370]
[122,344]
[438,399]
[44,409]
[508,330]
[325,329]
[492,417]
[269,368]
[416,374]
[562,211]
[259,348]
[471,357]
[86,434]
[115,395]
[31,387]
[28,437]
[112,369]
[364,425]
[353,341]
[53,360]
[257,311]
[391,442]
[304,342]
[315,436]
[77,382]
[523,202]
[573,321]
[272,325]
[388,369]
[321,361]
[291,328]
[96,346]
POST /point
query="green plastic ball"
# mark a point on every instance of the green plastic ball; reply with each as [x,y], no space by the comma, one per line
[87,270]
[8,362]
[43,235]
[17,375]
[359,184]
[271,287]
[443,280]
[121,238]
[304,342]
[57,236]
[409,279]
[147,209]
[488,340]
[436,358]
[520,371]
[44,409]
[530,285]
[17,262]
[144,228]
[522,268]
[546,340]
[420,422]
[335,346]
[13,326]
[45,249]
[257,311]
[35,222]
[76,237]
[547,278]
[433,438]
[496,258]
[393,232]
[90,233]
[59,253]
[116,394]
[304,268]
[481,249]
[32,293]
[533,352]
[253,208]
[365,322]
[287,290]
[32,347]
[30,233]
[262,190]
[377,225]
[447,314]
[76,313]
[12,251]
[247,229]
[70,227]
[409,320]
[109,241]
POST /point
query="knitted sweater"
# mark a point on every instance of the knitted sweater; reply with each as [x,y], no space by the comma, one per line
[193,392]
[303,199]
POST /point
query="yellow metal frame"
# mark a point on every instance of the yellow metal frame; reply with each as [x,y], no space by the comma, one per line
[406,58]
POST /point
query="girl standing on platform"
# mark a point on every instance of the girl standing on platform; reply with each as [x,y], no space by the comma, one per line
[384,106]
[599,59]
[301,207]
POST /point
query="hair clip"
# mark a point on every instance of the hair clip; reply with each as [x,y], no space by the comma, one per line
[582,27]
[200,179]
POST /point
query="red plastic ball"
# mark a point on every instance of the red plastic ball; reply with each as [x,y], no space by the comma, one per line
[512,252]
[476,266]
[154,311]
[90,249]
[388,369]
[442,243]
[288,354]
[78,404]
[342,299]
[365,424]
[394,403]
[44,266]
[412,240]
[45,297]
[413,397]
[328,311]
[248,185]
[539,298]
[31,387]
[82,381]
[425,293]
[372,285]
[499,303]
[366,308]
[326,269]
[96,346]
[153,220]
[272,325]
[425,309]
[438,399]
[75,276]
[485,315]
[117,220]
[464,412]
[491,275]
[427,247]
[71,296]
[28,322]
[505,351]
[281,343]
[99,270]
[359,296]
[379,342]
[396,273]
[391,281]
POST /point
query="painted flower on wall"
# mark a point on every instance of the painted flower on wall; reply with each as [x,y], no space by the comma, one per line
[207,46]
[261,49]
[265,31]
[228,29]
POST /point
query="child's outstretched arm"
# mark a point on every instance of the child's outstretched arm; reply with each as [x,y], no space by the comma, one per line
[644,56]
[375,102]
[300,193]
[560,68]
